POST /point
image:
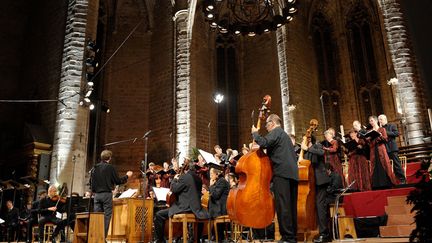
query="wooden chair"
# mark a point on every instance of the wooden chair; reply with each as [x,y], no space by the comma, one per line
[220,220]
[48,231]
[345,223]
[184,218]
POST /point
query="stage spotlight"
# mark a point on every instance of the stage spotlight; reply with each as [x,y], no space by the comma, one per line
[91,46]
[88,93]
[91,106]
[91,62]
[278,20]
[91,83]
[218,98]
[87,100]
[105,108]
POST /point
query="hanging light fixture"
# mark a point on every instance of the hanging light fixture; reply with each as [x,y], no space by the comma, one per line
[248,17]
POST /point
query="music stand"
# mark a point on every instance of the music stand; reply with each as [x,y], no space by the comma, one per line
[335,222]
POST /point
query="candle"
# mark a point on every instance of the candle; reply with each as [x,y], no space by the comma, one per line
[342,133]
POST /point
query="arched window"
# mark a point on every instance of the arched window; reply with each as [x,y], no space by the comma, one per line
[363,62]
[326,57]
[227,83]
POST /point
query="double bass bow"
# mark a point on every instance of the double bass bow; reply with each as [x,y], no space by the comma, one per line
[253,194]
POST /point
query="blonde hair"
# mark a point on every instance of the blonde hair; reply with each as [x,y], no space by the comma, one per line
[106,155]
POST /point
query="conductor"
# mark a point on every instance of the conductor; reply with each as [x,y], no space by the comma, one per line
[103,178]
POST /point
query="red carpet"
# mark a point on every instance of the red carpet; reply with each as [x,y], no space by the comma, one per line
[370,203]
[412,168]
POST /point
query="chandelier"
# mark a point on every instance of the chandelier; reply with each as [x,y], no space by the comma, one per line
[248,17]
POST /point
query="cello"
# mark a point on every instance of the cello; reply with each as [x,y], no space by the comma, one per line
[253,194]
[306,209]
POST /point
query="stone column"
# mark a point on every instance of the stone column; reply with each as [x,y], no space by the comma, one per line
[183,106]
[71,132]
[287,116]
[409,88]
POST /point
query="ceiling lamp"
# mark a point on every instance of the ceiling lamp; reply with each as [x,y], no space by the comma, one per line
[248,17]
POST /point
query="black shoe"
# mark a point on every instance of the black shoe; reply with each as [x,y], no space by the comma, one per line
[322,238]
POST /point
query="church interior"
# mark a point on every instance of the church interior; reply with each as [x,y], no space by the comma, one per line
[152,80]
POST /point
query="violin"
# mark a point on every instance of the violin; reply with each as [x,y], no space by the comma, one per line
[57,198]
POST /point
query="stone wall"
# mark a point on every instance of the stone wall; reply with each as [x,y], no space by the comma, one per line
[126,83]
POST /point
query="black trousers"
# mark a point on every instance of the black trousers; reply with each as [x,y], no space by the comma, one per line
[159,224]
[397,167]
[322,209]
[103,203]
[49,219]
[285,192]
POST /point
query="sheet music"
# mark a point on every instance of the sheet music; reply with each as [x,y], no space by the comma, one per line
[208,157]
[161,193]
[128,193]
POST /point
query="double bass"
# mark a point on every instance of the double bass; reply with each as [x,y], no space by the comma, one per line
[306,209]
[253,194]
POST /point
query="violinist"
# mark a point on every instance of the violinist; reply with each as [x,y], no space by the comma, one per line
[48,207]
[285,175]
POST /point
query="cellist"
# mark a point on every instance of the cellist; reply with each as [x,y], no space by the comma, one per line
[285,175]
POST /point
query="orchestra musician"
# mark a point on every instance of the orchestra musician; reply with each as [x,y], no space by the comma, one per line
[48,207]
[187,189]
[392,148]
[296,145]
[285,174]
[103,178]
[382,175]
[11,219]
[335,185]
[25,220]
[218,194]
[314,152]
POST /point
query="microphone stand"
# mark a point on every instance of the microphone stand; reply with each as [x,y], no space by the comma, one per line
[336,213]
[144,183]
[70,201]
